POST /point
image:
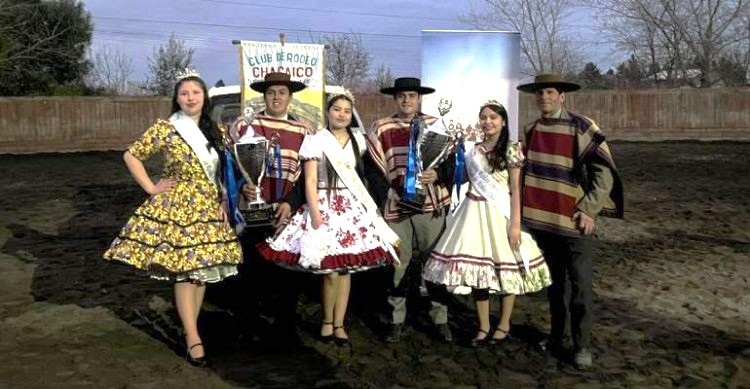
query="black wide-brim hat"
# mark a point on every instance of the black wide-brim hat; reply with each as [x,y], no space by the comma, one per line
[407,84]
[277,78]
[549,80]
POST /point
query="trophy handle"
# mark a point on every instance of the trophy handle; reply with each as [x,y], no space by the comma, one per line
[258,196]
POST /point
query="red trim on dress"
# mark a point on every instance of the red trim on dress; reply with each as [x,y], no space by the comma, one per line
[369,258]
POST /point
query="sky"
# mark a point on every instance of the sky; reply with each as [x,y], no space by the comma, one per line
[389,29]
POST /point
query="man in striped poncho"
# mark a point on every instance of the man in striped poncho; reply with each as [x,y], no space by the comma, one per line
[266,286]
[419,230]
[569,179]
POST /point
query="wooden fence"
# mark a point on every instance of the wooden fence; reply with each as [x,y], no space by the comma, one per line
[45,124]
[646,115]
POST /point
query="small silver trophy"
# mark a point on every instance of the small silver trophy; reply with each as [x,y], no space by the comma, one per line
[432,149]
[250,155]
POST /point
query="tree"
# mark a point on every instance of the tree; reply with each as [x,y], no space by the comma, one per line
[43,45]
[167,60]
[591,78]
[731,71]
[383,77]
[110,71]
[347,61]
[630,73]
[546,45]
[682,36]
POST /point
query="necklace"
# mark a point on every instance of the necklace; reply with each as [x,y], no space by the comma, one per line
[342,137]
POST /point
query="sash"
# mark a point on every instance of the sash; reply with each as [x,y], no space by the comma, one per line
[412,160]
[233,187]
[189,131]
[349,177]
[490,189]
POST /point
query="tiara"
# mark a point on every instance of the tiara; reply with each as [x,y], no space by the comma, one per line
[185,73]
[492,102]
[346,93]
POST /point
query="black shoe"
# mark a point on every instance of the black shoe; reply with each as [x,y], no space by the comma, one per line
[495,340]
[443,332]
[479,342]
[394,333]
[327,338]
[341,342]
[197,362]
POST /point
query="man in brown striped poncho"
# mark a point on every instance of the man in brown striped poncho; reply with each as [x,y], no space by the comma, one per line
[386,167]
[265,286]
[569,179]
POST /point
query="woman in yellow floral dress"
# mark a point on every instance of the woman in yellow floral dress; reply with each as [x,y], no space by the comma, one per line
[181,232]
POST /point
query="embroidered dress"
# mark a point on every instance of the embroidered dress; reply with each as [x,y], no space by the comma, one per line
[474,250]
[347,240]
[178,234]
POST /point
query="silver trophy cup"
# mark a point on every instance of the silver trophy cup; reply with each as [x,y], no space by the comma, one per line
[251,159]
[433,148]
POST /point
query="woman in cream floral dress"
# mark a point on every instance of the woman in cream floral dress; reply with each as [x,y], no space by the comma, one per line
[180,233]
[483,246]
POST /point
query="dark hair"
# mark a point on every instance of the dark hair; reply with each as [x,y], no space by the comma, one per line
[332,176]
[208,126]
[497,157]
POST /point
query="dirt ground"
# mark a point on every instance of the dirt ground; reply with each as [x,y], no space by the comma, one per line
[671,295]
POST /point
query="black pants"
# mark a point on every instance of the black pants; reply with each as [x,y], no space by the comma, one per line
[265,288]
[568,259]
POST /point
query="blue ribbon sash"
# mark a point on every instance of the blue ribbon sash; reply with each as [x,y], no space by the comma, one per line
[410,181]
[458,175]
[233,186]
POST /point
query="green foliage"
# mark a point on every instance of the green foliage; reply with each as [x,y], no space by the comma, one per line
[591,78]
[167,60]
[630,73]
[730,71]
[42,45]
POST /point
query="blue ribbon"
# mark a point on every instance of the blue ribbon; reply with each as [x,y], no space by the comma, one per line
[277,155]
[270,159]
[410,181]
[233,186]
[458,175]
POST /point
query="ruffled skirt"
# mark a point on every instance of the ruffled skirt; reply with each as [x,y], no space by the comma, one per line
[346,242]
[474,252]
[178,235]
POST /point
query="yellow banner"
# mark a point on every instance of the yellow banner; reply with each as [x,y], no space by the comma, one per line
[303,62]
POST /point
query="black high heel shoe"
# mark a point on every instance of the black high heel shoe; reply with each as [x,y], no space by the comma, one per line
[497,341]
[197,362]
[340,341]
[479,342]
[327,338]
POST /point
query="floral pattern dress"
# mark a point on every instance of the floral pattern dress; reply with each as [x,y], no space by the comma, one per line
[347,237]
[474,251]
[178,234]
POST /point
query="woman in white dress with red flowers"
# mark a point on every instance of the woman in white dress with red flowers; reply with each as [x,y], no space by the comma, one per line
[338,231]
